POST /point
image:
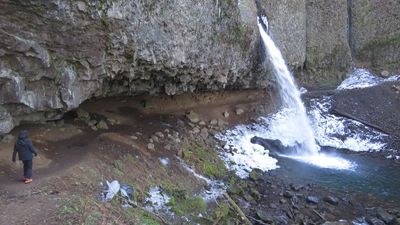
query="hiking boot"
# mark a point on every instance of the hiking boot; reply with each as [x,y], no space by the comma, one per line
[28,181]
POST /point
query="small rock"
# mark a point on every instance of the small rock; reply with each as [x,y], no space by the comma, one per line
[133,137]
[193,117]
[239,111]
[204,133]
[160,134]
[312,199]
[225,114]
[288,194]
[94,128]
[202,123]
[385,216]
[375,221]
[264,216]
[196,130]
[214,122]
[150,146]
[102,125]
[385,73]
[331,200]
[155,138]
[167,147]
[282,201]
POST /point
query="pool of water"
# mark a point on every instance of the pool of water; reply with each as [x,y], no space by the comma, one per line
[374,176]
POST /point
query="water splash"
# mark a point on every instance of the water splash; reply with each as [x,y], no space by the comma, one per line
[290,95]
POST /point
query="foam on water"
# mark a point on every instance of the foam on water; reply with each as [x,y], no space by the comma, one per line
[325,161]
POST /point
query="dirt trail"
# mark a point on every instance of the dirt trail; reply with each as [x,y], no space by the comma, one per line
[68,151]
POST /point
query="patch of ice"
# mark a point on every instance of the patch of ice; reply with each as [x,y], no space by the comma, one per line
[164,161]
[339,132]
[157,200]
[217,188]
[241,155]
[362,78]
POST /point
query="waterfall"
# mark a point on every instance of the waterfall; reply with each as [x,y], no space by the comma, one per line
[298,126]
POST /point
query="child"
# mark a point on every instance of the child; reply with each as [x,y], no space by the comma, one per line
[26,151]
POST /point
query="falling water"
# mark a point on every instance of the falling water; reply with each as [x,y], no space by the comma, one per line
[299,126]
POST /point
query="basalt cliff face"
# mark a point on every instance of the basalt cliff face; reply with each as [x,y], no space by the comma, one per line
[56,54]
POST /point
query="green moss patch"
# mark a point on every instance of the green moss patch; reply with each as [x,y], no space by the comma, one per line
[205,160]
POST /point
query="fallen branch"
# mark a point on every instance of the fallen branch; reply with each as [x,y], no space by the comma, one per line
[237,209]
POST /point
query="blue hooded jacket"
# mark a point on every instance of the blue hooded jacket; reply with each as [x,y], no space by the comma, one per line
[24,147]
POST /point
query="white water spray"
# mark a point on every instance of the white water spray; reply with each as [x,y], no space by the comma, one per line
[299,127]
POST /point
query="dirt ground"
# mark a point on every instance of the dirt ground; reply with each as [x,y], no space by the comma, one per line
[74,159]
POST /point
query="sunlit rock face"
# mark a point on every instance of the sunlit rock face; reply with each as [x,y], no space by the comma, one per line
[56,54]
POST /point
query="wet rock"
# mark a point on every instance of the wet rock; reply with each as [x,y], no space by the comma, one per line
[193,117]
[239,111]
[385,73]
[288,194]
[264,216]
[225,114]
[150,146]
[385,216]
[312,199]
[102,125]
[375,221]
[331,200]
